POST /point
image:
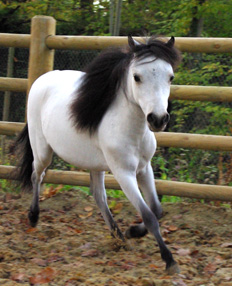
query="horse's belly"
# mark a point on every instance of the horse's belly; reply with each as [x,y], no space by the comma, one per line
[77,148]
[81,154]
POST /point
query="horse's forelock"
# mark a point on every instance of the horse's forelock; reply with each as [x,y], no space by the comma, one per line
[159,49]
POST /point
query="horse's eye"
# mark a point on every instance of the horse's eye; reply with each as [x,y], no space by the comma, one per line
[137,78]
[171,78]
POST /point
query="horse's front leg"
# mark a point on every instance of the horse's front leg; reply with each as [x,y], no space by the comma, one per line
[128,183]
[97,188]
[146,183]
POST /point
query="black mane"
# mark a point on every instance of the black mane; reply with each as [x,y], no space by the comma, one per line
[105,75]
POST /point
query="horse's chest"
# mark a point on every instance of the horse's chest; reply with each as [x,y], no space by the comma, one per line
[146,150]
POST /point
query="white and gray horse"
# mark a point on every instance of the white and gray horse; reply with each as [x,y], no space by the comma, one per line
[102,120]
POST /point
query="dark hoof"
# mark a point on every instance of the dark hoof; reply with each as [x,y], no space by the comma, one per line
[173,269]
[136,231]
[33,218]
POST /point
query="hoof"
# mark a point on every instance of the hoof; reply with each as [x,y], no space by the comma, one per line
[33,218]
[173,269]
[136,231]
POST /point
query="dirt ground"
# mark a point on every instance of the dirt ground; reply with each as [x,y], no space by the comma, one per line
[72,246]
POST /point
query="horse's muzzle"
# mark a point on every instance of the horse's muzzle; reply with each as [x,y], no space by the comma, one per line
[157,123]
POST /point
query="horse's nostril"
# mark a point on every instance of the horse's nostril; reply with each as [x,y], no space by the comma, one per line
[157,122]
[151,117]
[166,118]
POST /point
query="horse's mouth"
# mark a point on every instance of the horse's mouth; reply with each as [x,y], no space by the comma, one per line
[155,129]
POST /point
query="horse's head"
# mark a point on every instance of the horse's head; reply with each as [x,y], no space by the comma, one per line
[150,75]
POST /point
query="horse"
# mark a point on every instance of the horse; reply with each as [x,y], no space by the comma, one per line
[103,119]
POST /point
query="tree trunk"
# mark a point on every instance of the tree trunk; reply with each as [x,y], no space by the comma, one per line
[86,7]
[196,27]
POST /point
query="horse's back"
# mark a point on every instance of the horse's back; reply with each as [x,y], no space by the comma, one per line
[46,91]
[53,84]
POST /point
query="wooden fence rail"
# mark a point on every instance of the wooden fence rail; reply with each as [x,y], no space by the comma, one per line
[178,92]
[185,44]
[164,139]
[200,191]
[13,84]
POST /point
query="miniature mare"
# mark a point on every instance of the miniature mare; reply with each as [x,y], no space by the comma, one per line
[102,120]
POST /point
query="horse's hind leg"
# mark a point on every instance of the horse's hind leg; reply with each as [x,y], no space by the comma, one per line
[97,188]
[42,159]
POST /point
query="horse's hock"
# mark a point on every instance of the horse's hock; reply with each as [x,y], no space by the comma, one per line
[42,41]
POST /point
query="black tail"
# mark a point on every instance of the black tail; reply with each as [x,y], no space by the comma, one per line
[24,169]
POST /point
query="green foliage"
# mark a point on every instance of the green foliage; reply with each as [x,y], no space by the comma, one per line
[170,17]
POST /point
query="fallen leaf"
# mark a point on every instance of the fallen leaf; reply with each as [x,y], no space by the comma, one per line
[45,276]
[88,209]
[210,268]
[85,216]
[113,263]
[19,277]
[76,230]
[137,219]
[100,262]
[167,240]
[128,265]
[185,226]
[172,228]
[31,229]
[194,253]
[165,232]
[117,208]
[165,277]
[177,216]
[90,252]
[183,252]
[153,266]
[55,258]
[179,282]
[51,191]
[226,244]
[39,261]
[86,246]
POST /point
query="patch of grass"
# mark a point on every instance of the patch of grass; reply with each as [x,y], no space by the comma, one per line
[171,199]
[8,186]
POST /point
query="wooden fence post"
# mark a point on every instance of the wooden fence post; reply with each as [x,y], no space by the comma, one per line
[41,58]
[10,71]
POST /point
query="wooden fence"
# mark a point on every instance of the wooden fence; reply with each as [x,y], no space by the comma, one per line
[42,41]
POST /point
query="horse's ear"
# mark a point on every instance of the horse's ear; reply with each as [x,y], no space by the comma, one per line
[171,42]
[132,43]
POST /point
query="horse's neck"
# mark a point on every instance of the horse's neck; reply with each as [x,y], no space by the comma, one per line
[128,115]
